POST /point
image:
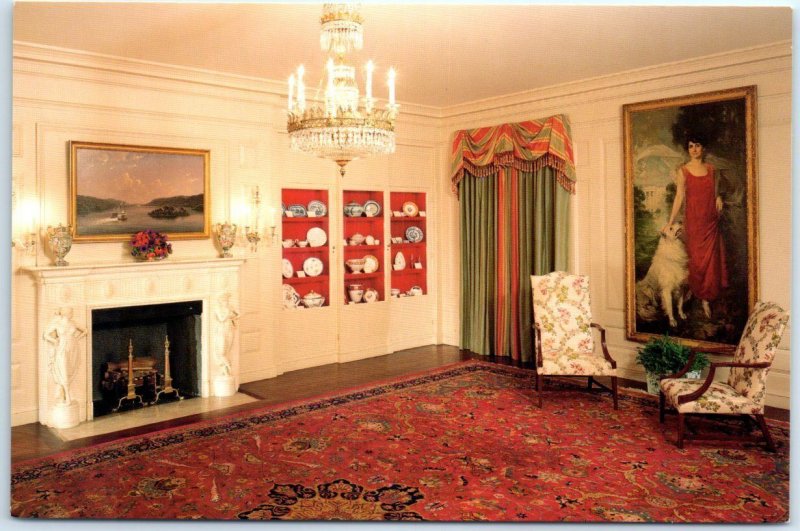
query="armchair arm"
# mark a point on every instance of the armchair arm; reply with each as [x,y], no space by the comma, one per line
[721,350]
[682,399]
[537,334]
[606,355]
[684,369]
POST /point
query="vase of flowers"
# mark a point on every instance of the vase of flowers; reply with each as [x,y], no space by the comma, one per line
[149,245]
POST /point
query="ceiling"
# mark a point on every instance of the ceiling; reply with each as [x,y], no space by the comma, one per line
[444,54]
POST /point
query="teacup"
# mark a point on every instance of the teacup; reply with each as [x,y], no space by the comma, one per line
[356,294]
[395,292]
[302,243]
[288,243]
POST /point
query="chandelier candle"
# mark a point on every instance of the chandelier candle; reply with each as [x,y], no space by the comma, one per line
[343,126]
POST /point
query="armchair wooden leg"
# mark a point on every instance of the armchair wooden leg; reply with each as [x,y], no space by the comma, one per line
[614,391]
[765,431]
[681,426]
[540,387]
[661,405]
[589,384]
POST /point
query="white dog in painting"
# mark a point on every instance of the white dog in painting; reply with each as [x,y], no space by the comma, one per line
[666,280]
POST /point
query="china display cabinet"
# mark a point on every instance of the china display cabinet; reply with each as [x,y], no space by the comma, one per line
[306,248]
[408,239]
[363,255]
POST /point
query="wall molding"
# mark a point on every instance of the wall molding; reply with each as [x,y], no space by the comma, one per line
[86,66]
[592,88]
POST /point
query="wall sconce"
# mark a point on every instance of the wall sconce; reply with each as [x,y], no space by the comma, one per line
[28,237]
[251,232]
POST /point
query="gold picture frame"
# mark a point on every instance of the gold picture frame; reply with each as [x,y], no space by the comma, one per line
[710,289]
[117,190]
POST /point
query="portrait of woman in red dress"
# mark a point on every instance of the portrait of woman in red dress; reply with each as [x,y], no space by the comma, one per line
[691,220]
[697,185]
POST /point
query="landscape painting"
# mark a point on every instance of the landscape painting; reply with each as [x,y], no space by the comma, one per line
[117,190]
[691,228]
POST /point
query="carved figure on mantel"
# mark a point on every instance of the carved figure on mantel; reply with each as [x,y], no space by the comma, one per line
[62,334]
[227,319]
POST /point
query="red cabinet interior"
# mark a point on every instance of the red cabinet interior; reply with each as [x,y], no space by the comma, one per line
[296,228]
[365,226]
[415,273]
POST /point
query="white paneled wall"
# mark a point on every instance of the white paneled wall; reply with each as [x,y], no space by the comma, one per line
[594,108]
[63,95]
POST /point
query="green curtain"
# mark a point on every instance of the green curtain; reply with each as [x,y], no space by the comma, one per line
[478,217]
[544,241]
[527,224]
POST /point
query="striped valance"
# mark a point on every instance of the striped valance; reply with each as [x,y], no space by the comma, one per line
[527,146]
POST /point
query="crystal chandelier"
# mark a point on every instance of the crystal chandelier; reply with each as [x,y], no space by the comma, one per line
[342,126]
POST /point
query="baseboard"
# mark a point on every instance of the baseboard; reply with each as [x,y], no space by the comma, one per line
[24,417]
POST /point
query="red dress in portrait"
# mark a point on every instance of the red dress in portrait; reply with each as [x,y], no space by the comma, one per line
[708,274]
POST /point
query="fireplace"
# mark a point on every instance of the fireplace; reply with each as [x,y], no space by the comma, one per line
[138,304]
[145,333]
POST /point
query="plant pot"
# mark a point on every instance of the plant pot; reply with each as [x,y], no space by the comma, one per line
[652,380]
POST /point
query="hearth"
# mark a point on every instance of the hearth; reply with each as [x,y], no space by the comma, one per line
[130,347]
[68,297]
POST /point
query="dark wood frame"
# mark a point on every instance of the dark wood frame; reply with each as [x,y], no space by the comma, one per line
[694,395]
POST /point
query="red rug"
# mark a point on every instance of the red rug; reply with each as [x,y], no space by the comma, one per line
[464,442]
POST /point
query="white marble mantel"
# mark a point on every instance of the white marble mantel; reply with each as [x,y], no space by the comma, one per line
[86,287]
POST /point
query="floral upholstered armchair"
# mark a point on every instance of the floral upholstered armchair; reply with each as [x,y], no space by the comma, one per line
[563,332]
[746,387]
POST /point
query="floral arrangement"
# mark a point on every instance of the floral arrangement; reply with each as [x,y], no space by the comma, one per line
[150,245]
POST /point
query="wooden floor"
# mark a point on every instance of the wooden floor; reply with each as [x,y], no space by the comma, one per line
[35,440]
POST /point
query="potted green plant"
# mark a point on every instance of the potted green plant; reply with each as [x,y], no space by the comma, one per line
[662,356]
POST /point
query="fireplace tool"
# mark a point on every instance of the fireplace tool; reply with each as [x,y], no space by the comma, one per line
[131,396]
[167,389]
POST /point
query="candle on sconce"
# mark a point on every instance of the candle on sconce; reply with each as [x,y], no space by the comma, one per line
[291,91]
[301,89]
[392,75]
[370,69]
[330,101]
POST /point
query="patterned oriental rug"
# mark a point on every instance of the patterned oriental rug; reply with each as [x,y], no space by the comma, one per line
[464,442]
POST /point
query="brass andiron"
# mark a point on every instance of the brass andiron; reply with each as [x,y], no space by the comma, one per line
[131,384]
[167,389]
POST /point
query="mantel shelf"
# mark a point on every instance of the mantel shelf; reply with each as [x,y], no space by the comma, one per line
[51,271]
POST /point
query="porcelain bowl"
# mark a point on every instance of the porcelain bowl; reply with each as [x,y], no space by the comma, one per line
[287,243]
[356,295]
[302,243]
[356,265]
[353,209]
[313,300]
[357,239]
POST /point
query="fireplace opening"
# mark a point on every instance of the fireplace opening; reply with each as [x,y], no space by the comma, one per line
[147,333]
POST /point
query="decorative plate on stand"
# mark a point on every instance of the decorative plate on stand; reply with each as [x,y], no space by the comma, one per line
[290,296]
[288,270]
[316,237]
[371,295]
[313,266]
[318,208]
[414,234]
[410,209]
[372,208]
[399,261]
[371,264]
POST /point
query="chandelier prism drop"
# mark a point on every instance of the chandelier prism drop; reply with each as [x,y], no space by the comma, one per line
[342,125]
